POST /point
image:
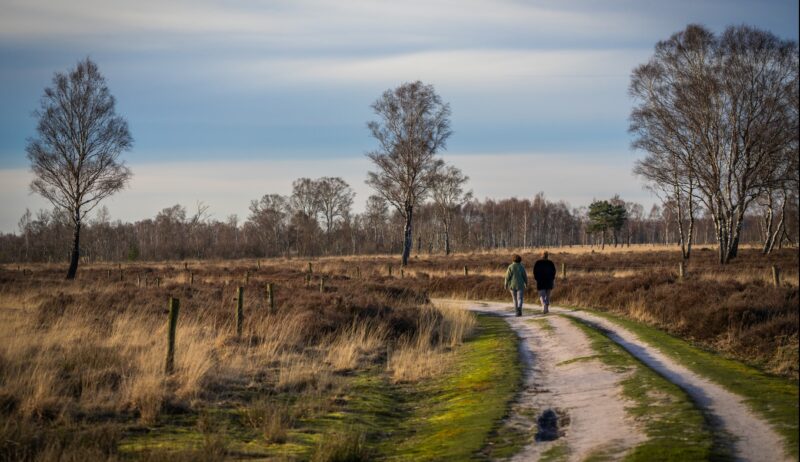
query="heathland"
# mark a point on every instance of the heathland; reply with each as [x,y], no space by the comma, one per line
[350,361]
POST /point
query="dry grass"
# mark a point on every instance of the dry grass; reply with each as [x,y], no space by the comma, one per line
[94,349]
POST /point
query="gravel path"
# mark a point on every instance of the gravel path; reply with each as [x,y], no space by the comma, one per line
[586,399]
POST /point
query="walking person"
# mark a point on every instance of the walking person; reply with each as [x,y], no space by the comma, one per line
[516,281]
[544,271]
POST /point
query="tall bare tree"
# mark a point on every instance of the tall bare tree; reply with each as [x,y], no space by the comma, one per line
[718,111]
[413,126]
[449,196]
[75,154]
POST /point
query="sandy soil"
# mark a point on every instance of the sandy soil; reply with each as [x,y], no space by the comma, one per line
[586,397]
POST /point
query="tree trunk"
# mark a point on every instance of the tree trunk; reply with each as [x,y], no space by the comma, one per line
[408,239]
[76,251]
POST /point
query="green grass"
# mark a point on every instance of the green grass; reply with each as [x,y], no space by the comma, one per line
[676,429]
[774,398]
[454,416]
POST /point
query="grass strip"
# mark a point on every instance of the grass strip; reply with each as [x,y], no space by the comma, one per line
[773,398]
[453,416]
[676,429]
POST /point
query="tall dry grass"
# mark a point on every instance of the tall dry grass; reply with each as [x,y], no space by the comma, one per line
[77,353]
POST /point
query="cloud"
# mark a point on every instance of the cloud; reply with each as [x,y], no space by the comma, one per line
[229,186]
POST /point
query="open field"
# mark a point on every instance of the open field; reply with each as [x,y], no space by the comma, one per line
[354,361]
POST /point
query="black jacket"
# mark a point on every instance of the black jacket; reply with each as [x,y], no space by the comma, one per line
[544,271]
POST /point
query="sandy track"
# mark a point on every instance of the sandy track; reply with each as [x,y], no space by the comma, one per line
[563,378]
[755,440]
[591,397]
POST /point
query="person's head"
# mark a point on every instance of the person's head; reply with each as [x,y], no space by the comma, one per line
[545,255]
[517,259]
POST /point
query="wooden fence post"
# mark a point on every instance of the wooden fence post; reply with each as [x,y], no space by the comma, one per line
[191,278]
[185,266]
[389,269]
[466,270]
[138,280]
[308,280]
[358,272]
[322,284]
[776,276]
[402,273]
[174,306]
[563,270]
[310,268]
[271,297]
[158,282]
[240,312]
[681,270]
[120,275]
[246,277]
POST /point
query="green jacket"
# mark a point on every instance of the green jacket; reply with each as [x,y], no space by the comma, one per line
[516,277]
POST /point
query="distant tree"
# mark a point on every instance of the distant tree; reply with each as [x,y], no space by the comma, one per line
[605,216]
[75,154]
[448,196]
[305,197]
[376,215]
[335,199]
[269,217]
[413,126]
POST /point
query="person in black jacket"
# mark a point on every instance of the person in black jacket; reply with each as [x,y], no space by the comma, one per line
[544,271]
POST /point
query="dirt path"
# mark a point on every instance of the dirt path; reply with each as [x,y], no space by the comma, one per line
[568,391]
[587,395]
[755,440]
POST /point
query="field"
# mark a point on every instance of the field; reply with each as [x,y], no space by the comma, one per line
[351,361]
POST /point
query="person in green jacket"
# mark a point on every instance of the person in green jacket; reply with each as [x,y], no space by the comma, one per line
[516,281]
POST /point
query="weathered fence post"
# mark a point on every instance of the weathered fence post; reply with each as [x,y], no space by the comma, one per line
[138,280]
[120,275]
[108,274]
[258,264]
[185,266]
[240,312]
[191,278]
[174,306]
[322,284]
[681,270]
[358,272]
[466,270]
[389,269]
[308,280]
[271,297]
[310,269]
[158,282]
[246,277]
[776,276]
[402,273]
[563,270]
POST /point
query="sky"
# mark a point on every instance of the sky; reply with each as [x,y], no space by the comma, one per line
[231,100]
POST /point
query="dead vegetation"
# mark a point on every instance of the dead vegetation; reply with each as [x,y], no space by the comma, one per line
[90,354]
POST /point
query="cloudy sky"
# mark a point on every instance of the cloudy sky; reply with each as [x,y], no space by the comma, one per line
[231,100]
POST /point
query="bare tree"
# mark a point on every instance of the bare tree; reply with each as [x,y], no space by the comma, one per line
[449,196]
[717,112]
[75,155]
[414,125]
[335,199]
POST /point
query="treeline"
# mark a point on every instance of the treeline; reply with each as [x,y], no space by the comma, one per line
[317,219]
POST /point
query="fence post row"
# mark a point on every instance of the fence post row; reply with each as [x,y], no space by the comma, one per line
[174,307]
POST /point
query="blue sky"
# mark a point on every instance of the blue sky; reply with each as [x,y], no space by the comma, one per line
[230,100]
